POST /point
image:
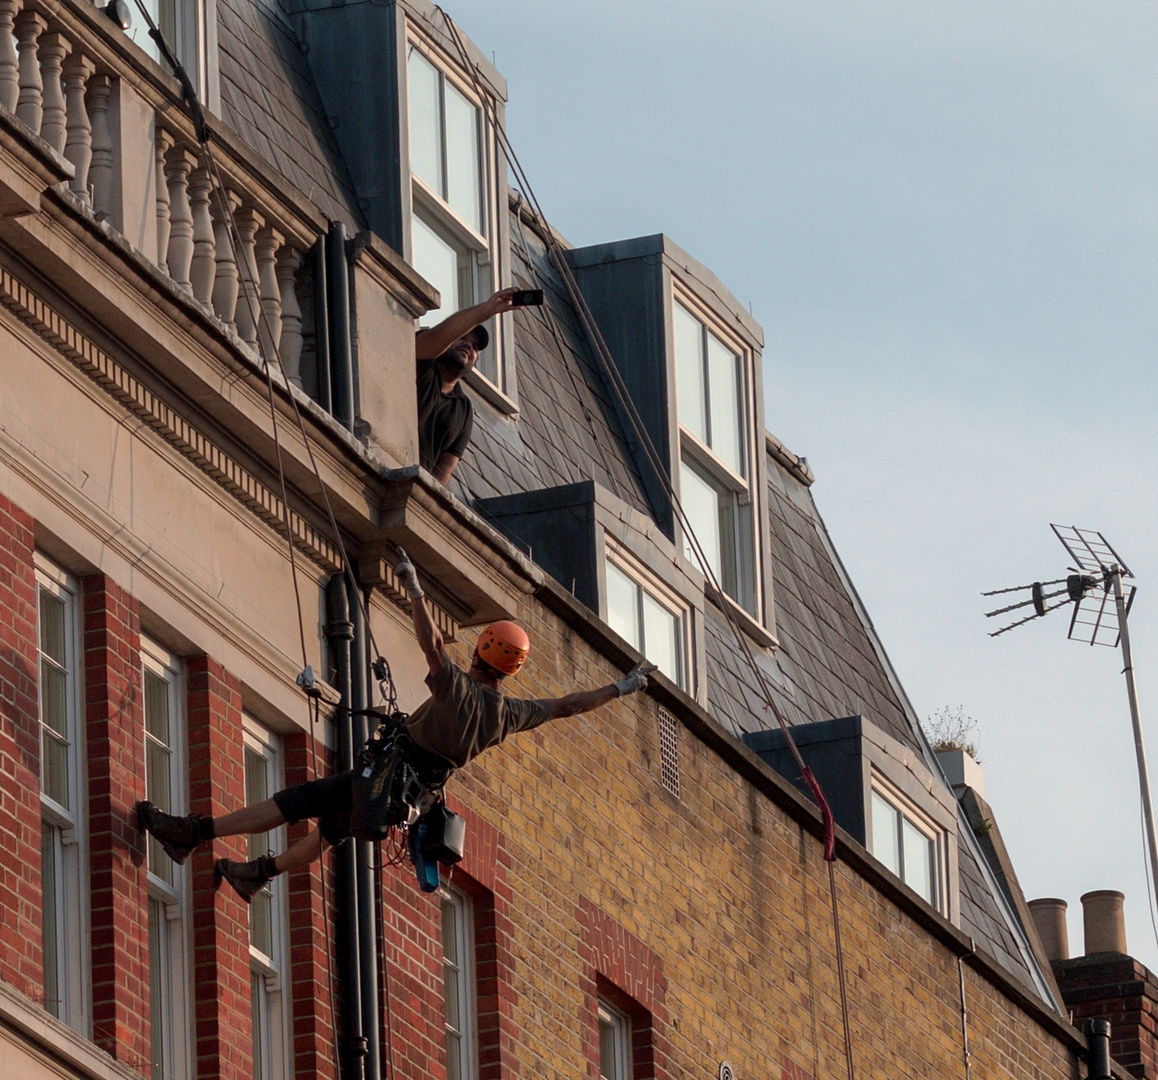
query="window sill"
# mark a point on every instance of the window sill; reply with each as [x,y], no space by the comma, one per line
[755,630]
[490,393]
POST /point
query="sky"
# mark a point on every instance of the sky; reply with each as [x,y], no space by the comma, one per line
[944,216]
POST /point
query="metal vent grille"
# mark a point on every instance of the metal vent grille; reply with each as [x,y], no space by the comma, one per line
[669,753]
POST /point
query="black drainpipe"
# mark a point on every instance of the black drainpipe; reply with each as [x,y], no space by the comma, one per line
[340,631]
[322,325]
[1097,1034]
[366,853]
[341,352]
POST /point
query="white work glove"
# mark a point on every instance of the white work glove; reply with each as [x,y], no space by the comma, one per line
[408,577]
[635,679]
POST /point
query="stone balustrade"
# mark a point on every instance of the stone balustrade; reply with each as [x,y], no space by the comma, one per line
[65,85]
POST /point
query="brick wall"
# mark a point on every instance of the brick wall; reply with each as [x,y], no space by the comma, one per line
[707,919]
[114,713]
[21,963]
[1117,988]
[222,1021]
[312,928]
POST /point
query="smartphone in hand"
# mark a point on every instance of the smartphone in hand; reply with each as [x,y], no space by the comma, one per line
[527,298]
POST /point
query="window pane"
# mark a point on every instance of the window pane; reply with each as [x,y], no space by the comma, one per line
[54,768]
[437,261]
[159,791]
[661,637]
[885,846]
[607,1058]
[158,975]
[463,174]
[918,858]
[425,123]
[157,707]
[51,925]
[52,623]
[453,1056]
[727,427]
[689,357]
[701,503]
[54,697]
[258,1024]
[623,606]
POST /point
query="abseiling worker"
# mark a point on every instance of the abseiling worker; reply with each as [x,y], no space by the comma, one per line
[465,714]
[444,354]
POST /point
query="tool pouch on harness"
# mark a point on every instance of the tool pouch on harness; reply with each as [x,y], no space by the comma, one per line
[395,782]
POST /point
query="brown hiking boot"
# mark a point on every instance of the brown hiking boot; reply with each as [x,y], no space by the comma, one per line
[248,878]
[177,835]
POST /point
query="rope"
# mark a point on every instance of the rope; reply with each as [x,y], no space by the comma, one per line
[623,397]
[250,293]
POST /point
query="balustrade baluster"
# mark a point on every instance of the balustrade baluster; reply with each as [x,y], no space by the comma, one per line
[30,102]
[163,144]
[248,222]
[78,147]
[288,263]
[53,48]
[268,243]
[100,172]
[9,64]
[201,270]
[179,162]
[225,279]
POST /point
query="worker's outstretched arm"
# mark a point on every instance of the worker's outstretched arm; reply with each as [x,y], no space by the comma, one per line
[586,700]
[435,340]
[428,635]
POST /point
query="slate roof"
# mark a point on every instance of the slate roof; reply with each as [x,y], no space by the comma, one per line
[269,98]
[567,429]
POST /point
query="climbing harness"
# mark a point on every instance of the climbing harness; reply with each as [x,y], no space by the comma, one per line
[397,793]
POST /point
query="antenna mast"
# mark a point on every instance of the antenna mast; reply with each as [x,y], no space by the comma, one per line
[1100,570]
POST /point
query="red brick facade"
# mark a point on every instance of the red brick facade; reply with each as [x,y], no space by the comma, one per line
[621,969]
[220,917]
[21,963]
[1114,987]
[114,714]
[314,1038]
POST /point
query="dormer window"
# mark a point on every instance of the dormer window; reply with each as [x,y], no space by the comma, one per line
[646,615]
[713,407]
[453,186]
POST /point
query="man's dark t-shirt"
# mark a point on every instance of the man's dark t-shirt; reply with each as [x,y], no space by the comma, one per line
[445,421]
[462,718]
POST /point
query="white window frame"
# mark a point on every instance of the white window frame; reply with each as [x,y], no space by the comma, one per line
[64,830]
[695,454]
[907,810]
[467,985]
[269,973]
[169,954]
[645,582]
[618,1023]
[189,30]
[488,268]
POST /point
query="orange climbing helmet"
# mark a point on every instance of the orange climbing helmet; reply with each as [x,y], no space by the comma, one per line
[504,646]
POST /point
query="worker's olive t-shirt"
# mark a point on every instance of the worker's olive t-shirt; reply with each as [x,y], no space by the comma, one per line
[461,719]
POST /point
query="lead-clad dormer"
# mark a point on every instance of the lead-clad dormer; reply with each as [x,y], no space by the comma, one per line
[690,356]
[416,109]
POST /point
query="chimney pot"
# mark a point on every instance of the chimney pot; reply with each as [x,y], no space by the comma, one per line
[1049,916]
[1105,923]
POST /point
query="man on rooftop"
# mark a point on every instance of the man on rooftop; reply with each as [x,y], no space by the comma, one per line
[444,354]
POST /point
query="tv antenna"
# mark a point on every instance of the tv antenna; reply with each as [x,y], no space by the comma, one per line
[1101,607]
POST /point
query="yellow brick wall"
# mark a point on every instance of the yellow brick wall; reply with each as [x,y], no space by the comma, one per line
[730,894]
